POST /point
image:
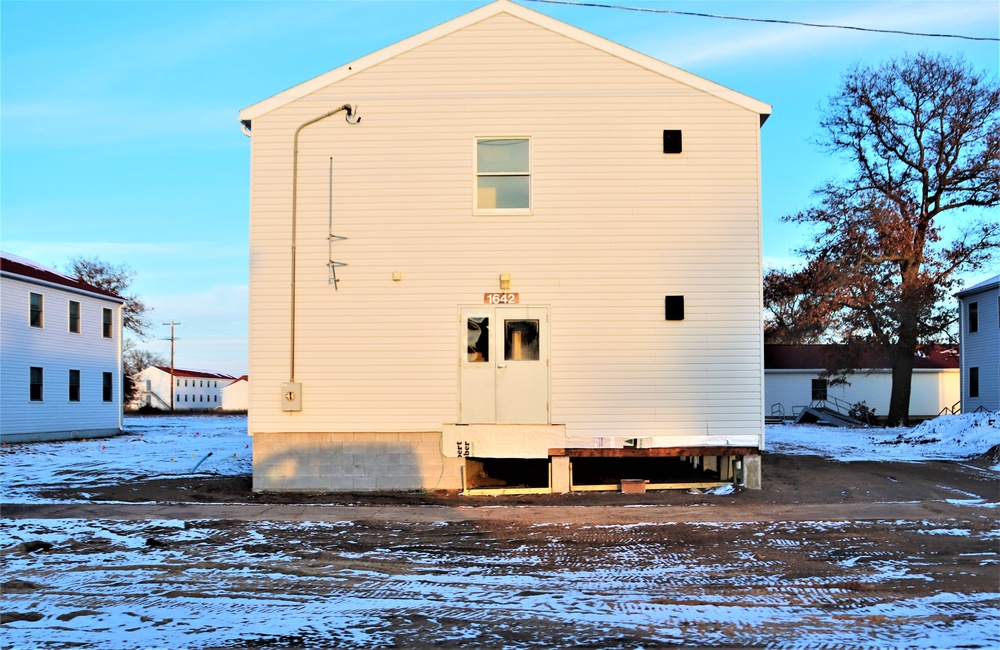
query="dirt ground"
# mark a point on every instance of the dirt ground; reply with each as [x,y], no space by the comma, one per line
[787,480]
[828,554]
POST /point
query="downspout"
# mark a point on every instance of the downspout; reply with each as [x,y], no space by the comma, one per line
[350,110]
[121,369]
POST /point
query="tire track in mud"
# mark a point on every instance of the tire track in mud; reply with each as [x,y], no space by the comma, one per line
[232,584]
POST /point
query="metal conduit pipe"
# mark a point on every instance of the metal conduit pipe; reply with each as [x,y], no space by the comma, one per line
[351,119]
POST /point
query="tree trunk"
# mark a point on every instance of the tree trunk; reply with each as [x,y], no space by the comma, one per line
[902,376]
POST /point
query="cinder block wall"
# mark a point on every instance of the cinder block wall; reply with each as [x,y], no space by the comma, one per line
[324,462]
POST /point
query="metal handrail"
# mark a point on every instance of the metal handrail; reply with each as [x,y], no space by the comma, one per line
[839,405]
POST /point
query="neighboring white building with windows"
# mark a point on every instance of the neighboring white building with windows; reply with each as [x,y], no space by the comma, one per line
[979,319]
[193,390]
[60,355]
[524,246]
[793,379]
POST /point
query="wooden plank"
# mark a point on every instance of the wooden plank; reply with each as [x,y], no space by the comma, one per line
[654,452]
[492,492]
[614,487]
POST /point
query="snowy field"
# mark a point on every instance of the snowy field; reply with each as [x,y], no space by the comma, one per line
[365,584]
[156,447]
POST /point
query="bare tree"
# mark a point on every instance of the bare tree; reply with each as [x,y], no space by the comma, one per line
[923,136]
[134,361]
[116,278]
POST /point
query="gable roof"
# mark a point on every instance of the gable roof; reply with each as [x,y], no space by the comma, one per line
[483,13]
[814,357]
[985,285]
[196,374]
[23,268]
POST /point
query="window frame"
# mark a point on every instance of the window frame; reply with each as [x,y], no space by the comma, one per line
[108,387]
[74,321]
[74,395]
[973,314]
[819,386]
[36,314]
[476,175]
[973,382]
[32,384]
[107,323]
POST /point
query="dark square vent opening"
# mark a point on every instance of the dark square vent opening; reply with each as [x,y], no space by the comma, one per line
[671,141]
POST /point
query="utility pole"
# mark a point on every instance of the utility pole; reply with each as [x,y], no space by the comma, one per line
[172,339]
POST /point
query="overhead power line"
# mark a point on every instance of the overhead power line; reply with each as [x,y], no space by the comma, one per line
[764,20]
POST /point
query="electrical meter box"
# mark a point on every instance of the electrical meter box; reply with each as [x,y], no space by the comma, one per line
[291,396]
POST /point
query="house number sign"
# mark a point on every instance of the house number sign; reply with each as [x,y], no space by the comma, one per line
[500,298]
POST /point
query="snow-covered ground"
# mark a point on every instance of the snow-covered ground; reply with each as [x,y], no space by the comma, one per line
[950,437]
[194,584]
[152,447]
[179,446]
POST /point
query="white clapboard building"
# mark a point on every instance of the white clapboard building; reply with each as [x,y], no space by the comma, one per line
[60,355]
[505,253]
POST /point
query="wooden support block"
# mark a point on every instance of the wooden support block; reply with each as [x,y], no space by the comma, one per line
[633,486]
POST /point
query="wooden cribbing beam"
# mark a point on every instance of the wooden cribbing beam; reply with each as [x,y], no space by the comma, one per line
[654,452]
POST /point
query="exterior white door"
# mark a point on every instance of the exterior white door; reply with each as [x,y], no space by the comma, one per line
[504,365]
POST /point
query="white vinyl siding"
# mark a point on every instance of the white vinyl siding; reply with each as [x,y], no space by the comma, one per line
[930,391]
[981,348]
[56,351]
[616,225]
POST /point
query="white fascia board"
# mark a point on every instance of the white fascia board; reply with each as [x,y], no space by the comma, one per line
[61,287]
[481,14]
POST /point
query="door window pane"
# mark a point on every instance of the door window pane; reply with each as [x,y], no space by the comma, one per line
[520,340]
[478,343]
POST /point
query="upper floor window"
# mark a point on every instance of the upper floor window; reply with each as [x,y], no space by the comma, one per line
[106,325]
[36,316]
[503,175]
[74,317]
[74,385]
[973,317]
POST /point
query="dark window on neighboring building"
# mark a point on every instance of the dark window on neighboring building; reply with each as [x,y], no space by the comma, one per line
[37,384]
[819,389]
[973,382]
[973,317]
[74,317]
[108,388]
[107,324]
[36,317]
[74,385]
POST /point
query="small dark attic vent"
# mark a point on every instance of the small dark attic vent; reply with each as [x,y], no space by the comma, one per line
[674,307]
[671,141]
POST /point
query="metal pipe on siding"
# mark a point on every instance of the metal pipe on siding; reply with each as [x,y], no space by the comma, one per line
[295,185]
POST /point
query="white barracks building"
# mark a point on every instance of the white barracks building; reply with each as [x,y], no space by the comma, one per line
[505,255]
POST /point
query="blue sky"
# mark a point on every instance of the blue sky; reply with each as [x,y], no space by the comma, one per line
[119,135]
